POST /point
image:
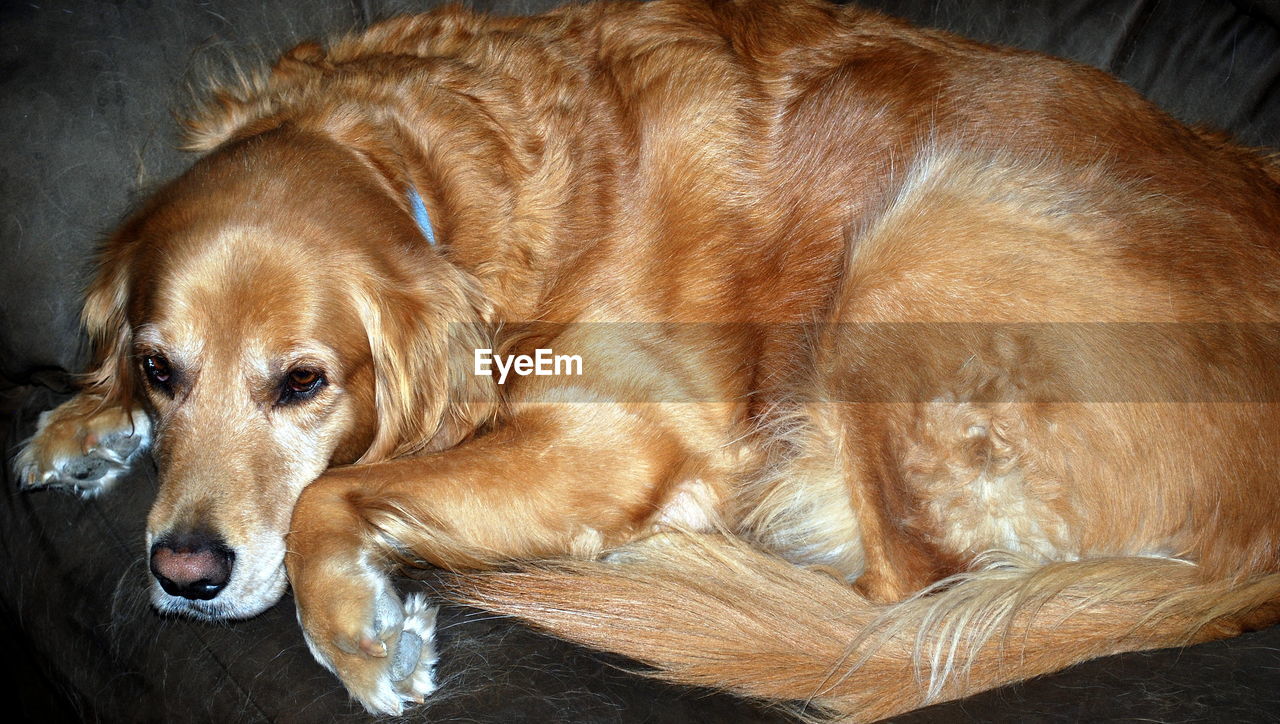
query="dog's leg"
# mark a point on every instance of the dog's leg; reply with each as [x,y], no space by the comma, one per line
[534,489]
[85,444]
[383,648]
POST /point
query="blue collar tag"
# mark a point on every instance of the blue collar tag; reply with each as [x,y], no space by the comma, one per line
[421,216]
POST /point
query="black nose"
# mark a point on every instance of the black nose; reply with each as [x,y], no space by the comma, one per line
[192,565]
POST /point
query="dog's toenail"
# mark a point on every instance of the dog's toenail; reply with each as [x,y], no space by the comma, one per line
[374,648]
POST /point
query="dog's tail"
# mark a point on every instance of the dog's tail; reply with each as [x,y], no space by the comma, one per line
[709,611]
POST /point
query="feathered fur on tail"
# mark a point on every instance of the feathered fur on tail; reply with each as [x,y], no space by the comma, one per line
[711,611]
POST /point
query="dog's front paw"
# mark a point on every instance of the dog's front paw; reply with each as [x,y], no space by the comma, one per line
[83,444]
[382,649]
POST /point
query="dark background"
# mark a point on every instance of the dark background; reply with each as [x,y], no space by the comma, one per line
[87,92]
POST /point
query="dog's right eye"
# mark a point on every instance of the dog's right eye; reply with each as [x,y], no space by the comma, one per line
[300,384]
[158,372]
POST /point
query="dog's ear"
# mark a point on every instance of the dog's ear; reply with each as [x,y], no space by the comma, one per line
[422,337]
[105,320]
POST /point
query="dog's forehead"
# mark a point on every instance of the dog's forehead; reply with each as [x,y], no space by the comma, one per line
[250,288]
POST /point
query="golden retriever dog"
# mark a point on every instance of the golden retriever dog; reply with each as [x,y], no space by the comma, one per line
[778,345]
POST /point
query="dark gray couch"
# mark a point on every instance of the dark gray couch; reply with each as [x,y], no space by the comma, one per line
[86,94]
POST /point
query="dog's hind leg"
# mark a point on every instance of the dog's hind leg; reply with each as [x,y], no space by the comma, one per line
[85,443]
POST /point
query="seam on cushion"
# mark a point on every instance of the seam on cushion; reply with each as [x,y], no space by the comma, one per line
[1260,10]
[1134,22]
[361,13]
[1261,94]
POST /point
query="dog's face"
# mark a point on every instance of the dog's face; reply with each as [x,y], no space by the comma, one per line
[258,378]
[277,314]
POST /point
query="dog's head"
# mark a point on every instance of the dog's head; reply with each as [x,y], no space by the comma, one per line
[276,311]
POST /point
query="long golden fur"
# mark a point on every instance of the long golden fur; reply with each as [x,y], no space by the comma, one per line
[912,366]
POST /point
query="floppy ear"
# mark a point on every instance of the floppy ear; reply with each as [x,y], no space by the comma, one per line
[422,338]
[105,320]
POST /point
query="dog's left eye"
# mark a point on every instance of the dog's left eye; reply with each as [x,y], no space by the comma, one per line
[158,372]
[300,384]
